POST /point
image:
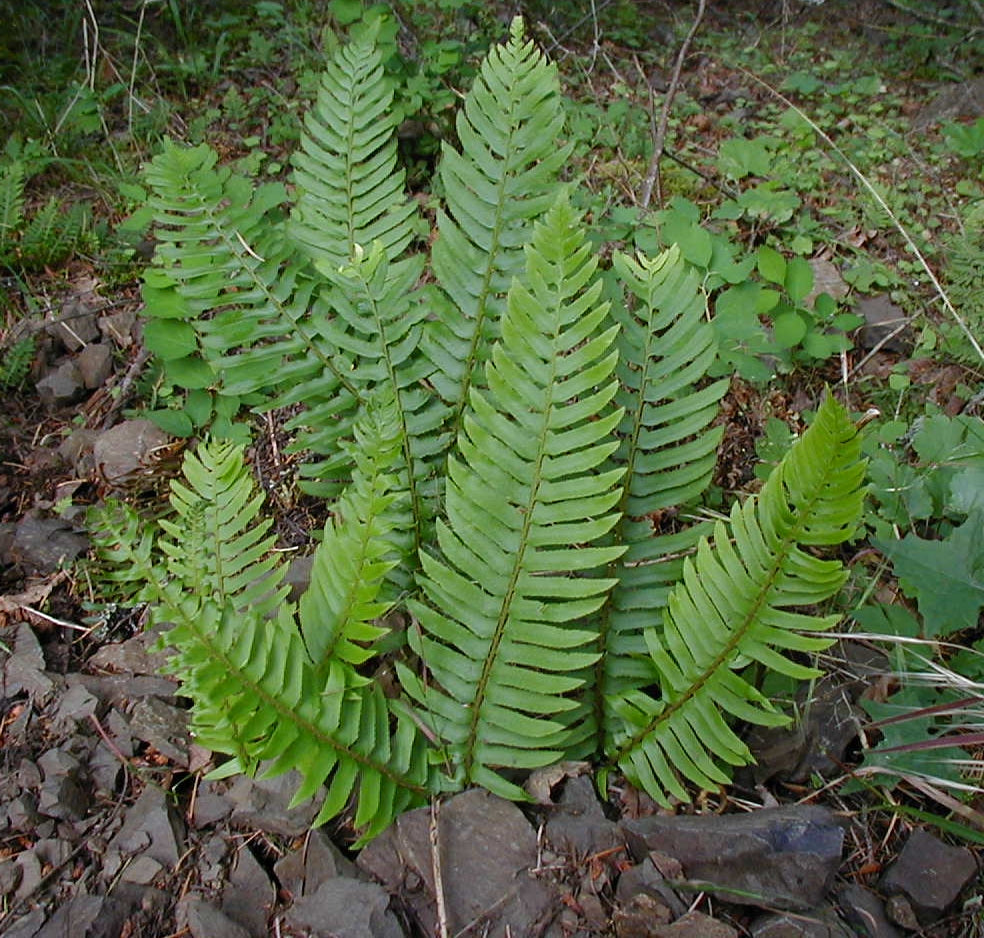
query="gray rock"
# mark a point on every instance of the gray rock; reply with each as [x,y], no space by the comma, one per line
[346,908]
[118,327]
[43,545]
[7,532]
[820,923]
[882,318]
[10,876]
[23,671]
[782,858]
[303,870]
[864,912]
[76,704]
[206,921]
[826,279]
[76,327]
[645,880]
[27,926]
[930,874]
[137,655]
[62,794]
[94,364]
[248,895]
[486,850]
[578,825]
[164,727]
[61,385]
[141,871]
[106,762]
[965,99]
[76,450]
[640,917]
[695,925]
[298,576]
[83,917]
[263,804]
[122,451]
[117,689]
[151,827]
[211,805]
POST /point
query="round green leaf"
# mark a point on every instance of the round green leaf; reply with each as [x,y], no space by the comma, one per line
[799,279]
[175,422]
[771,264]
[789,330]
[190,372]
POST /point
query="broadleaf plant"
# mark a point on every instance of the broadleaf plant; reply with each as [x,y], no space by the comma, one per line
[499,445]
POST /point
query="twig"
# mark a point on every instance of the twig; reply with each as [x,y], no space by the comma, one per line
[659,137]
[435,846]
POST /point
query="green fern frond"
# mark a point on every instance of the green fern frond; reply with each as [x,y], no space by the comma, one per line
[53,234]
[525,503]
[351,192]
[240,657]
[667,449]
[734,607]
[12,179]
[503,179]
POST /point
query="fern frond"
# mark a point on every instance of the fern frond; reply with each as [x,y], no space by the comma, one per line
[668,451]
[363,543]
[351,192]
[503,179]
[12,180]
[525,504]
[734,607]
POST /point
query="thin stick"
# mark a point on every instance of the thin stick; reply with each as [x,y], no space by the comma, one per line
[882,204]
[435,845]
[659,137]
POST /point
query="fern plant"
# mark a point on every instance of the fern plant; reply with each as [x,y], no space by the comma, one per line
[497,442]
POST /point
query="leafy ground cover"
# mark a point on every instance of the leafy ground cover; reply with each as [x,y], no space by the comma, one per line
[822,174]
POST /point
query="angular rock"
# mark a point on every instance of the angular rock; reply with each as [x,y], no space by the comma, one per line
[346,908]
[43,545]
[965,99]
[10,876]
[141,871]
[303,870]
[206,921]
[645,880]
[76,327]
[826,279]
[298,576]
[94,364]
[781,858]
[118,327]
[164,727]
[262,804]
[820,923]
[61,385]
[930,874]
[578,825]
[124,450]
[137,655]
[76,450]
[248,895]
[76,704]
[487,848]
[150,827]
[116,690]
[86,917]
[695,925]
[211,805]
[640,917]
[27,926]
[62,793]
[864,912]
[882,318]
[24,671]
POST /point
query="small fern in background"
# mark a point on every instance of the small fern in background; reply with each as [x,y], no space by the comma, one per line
[964,277]
[496,441]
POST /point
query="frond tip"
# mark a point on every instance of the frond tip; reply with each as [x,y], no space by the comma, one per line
[734,606]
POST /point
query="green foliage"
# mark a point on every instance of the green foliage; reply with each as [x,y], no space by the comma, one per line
[16,362]
[497,440]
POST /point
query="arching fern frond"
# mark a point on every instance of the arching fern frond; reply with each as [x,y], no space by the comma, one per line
[734,607]
[526,504]
[350,190]
[503,179]
[668,451]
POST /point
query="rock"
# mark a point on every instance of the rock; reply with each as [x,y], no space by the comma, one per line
[62,794]
[303,870]
[695,925]
[117,689]
[248,895]
[124,450]
[106,762]
[162,726]
[60,385]
[137,655]
[27,926]
[75,328]
[43,545]
[10,876]
[640,917]
[298,576]
[645,880]
[150,827]
[118,327]
[23,671]
[781,858]
[263,804]
[487,848]
[930,874]
[826,279]
[94,364]
[211,804]
[578,825]
[864,912]
[820,923]
[141,871]
[76,450]
[881,319]
[76,704]
[346,908]
[8,531]
[206,921]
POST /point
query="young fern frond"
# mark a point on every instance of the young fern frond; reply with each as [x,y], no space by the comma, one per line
[351,192]
[733,607]
[241,658]
[12,179]
[667,449]
[503,179]
[525,503]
